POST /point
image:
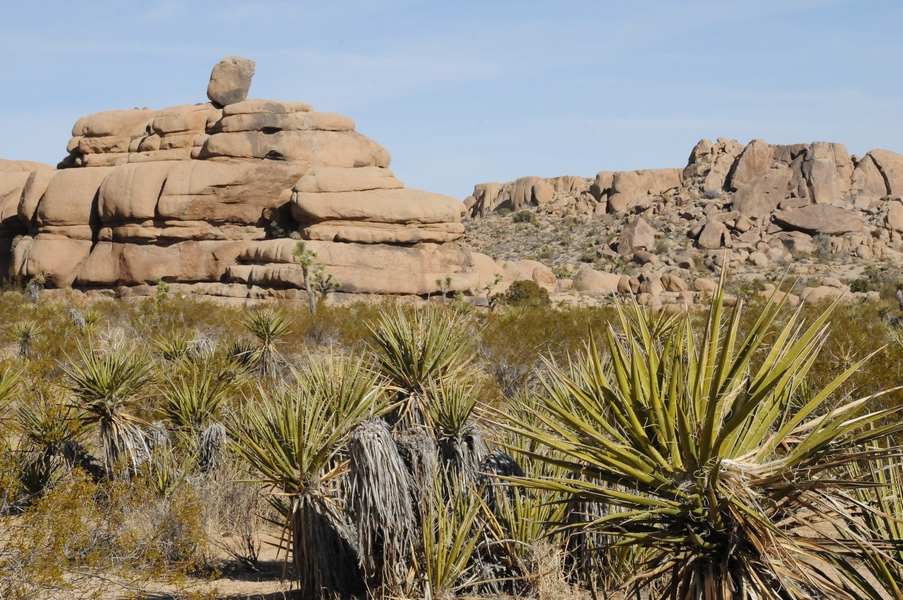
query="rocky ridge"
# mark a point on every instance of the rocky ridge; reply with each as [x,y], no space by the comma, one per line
[808,208]
[212,198]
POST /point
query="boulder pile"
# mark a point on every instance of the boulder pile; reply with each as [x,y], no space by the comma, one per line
[212,198]
[764,203]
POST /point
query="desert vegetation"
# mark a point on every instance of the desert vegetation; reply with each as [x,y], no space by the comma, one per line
[149,449]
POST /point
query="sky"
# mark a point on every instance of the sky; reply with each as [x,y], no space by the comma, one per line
[465,92]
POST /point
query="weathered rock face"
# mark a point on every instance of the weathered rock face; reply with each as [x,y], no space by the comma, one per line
[216,195]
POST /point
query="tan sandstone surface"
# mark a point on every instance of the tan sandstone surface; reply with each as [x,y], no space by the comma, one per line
[211,198]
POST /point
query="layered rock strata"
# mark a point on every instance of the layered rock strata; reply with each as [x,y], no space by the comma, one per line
[213,197]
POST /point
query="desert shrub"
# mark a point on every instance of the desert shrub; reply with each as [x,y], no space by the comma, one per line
[562,272]
[824,245]
[524,216]
[95,538]
[526,292]
[862,284]
[588,255]
[503,212]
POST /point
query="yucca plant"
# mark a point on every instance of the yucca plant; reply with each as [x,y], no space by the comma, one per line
[24,333]
[174,346]
[9,387]
[700,461]
[294,440]
[344,383]
[449,537]
[46,425]
[45,428]
[192,398]
[268,326]
[105,387]
[451,405]
[411,349]
[878,530]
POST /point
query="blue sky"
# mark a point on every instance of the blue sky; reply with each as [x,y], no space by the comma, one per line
[474,91]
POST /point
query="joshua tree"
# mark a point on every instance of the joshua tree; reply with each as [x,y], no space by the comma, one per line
[444,286]
[316,282]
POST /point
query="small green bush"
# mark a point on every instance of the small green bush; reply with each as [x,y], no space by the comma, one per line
[563,272]
[524,216]
[862,284]
[527,293]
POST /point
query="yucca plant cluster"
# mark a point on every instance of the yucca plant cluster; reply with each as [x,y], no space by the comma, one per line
[690,456]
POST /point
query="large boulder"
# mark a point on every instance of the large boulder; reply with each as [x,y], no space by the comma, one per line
[330,148]
[530,191]
[130,192]
[527,270]
[397,206]
[761,195]
[373,269]
[57,258]
[71,197]
[890,165]
[596,282]
[714,235]
[230,80]
[830,220]
[828,171]
[867,179]
[756,158]
[629,188]
[334,179]
[638,235]
[226,192]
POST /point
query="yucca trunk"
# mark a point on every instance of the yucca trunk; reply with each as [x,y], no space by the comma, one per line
[380,502]
[462,453]
[323,549]
[418,451]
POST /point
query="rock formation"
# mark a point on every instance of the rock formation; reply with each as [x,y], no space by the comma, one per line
[212,198]
[759,209]
[764,202]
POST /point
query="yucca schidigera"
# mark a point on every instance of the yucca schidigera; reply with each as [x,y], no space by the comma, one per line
[293,436]
[380,502]
[268,326]
[693,450]
[104,385]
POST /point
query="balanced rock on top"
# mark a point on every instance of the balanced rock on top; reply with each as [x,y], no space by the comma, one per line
[230,80]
